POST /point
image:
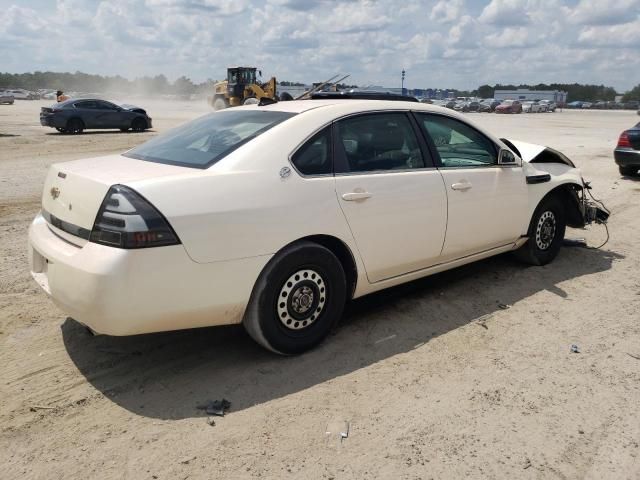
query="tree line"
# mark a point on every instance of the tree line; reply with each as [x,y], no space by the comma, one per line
[159,84]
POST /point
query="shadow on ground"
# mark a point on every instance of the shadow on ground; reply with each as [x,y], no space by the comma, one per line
[165,375]
[100,132]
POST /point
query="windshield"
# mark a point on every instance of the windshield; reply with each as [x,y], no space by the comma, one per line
[204,141]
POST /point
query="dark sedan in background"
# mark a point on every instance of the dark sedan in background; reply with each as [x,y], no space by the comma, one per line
[76,115]
[627,152]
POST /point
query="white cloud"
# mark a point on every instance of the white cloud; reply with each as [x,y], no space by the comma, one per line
[446,11]
[589,12]
[505,12]
[440,43]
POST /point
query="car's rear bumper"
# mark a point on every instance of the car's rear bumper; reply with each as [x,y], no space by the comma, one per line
[52,121]
[627,157]
[125,292]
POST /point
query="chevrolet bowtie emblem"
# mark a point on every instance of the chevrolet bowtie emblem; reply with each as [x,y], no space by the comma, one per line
[55,192]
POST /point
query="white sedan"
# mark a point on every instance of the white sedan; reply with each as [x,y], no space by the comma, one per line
[275,215]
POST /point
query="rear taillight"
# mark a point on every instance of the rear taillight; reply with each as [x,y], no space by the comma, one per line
[623,141]
[126,220]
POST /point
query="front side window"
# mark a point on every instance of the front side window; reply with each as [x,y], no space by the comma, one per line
[379,142]
[204,141]
[458,144]
[105,106]
[314,157]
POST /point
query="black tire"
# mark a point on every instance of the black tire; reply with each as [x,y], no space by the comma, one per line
[139,125]
[546,233]
[75,126]
[628,171]
[285,97]
[298,298]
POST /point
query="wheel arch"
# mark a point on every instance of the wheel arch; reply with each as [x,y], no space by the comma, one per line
[340,249]
[567,193]
[76,117]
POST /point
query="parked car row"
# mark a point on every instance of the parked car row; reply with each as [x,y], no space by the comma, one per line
[489,105]
[604,105]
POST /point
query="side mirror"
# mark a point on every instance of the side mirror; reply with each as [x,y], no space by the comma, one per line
[507,157]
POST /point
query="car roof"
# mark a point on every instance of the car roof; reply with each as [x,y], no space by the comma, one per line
[347,106]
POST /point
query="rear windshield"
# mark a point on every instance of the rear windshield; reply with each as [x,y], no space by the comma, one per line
[202,142]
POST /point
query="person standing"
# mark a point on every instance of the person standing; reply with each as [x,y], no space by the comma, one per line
[61,97]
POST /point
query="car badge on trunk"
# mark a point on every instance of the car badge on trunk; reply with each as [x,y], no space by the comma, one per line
[55,192]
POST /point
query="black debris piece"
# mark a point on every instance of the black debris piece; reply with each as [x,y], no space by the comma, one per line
[215,407]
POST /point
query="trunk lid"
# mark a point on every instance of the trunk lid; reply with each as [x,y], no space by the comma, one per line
[73,191]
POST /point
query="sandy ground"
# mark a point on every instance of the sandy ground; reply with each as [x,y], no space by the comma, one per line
[434,378]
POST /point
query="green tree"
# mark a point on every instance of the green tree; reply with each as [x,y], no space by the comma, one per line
[633,94]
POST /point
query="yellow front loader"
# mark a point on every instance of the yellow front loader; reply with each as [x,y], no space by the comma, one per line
[241,88]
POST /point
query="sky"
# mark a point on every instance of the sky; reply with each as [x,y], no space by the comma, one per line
[439,43]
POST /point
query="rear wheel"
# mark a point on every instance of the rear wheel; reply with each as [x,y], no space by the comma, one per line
[546,233]
[628,171]
[75,126]
[139,125]
[298,298]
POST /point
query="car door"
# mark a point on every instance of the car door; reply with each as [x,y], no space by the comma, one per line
[86,110]
[393,198]
[110,115]
[486,201]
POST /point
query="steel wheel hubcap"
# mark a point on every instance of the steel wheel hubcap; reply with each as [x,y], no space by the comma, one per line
[545,230]
[302,299]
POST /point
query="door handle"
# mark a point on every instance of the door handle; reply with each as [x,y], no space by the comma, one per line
[461,186]
[355,196]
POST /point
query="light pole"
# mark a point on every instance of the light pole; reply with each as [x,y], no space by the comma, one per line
[403,72]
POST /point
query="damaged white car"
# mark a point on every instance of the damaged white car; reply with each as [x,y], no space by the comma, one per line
[275,215]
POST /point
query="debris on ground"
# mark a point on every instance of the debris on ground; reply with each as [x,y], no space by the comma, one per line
[215,407]
[575,349]
[504,306]
[186,460]
[527,464]
[575,242]
[211,422]
[337,430]
[35,408]
[637,357]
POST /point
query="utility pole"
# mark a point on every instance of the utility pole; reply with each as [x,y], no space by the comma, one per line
[403,73]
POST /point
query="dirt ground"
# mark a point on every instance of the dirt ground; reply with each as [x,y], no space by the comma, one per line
[435,379]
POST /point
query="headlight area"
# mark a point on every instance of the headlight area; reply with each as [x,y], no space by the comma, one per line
[127,220]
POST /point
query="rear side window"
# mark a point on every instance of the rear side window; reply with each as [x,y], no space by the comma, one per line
[379,142]
[314,157]
[204,141]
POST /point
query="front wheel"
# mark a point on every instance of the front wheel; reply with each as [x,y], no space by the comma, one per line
[139,125]
[546,233]
[219,104]
[298,298]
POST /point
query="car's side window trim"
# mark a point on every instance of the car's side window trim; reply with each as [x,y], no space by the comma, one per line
[341,165]
[434,150]
[302,144]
